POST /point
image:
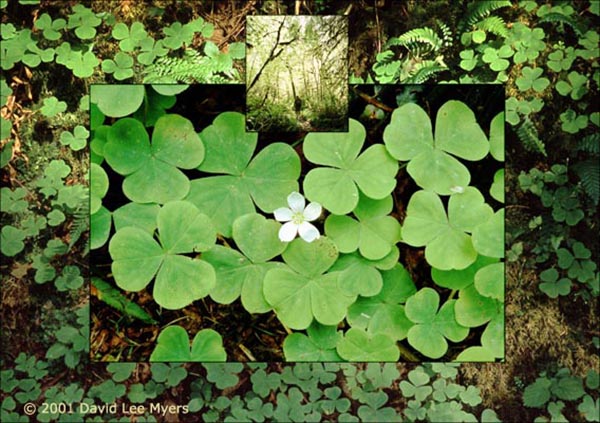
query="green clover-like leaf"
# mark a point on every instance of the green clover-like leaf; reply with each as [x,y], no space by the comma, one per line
[85,21]
[266,181]
[497,188]
[573,123]
[358,345]
[244,275]
[374,234]
[151,170]
[383,313]
[432,327]
[117,100]
[416,385]
[121,67]
[12,201]
[552,286]
[489,281]
[448,246]
[100,224]
[561,59]
[177,34]
[150,50]
[531,79]
[300,292]
[180,280]
[337,187]
[358,275]
[318,345]
[575,86]
[173,344]
[488,237]
[497,137]
[409,137]
[12,241]
[77,139]
[473,309]
[52,107]
[50,27]
[129,38]
[98,187]
[496,58]
[55,217]
[139,215]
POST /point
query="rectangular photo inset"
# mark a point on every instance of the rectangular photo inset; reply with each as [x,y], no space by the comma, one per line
[213,243]
[297,73]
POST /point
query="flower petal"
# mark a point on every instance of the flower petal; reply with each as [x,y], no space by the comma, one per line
[308,232]
[283,214]
[296,202]
[312,212]
[288,231]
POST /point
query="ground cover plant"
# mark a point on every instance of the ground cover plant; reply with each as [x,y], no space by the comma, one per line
[551,358]
[202,236]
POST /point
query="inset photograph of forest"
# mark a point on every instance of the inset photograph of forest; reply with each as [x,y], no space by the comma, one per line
[297,73]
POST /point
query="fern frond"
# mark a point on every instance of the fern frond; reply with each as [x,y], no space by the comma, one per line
[589,174]
[563,19]
[424,71]
[447,38]
[193,67]
[480,9]
[528,134]
[418,41]
[589,144]
[81,222]
[494,25]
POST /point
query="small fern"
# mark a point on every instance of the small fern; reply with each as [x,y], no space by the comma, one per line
[192,67]
[447,37]
[528,134]
[81,221]
[588,168]
[589,144]
[423,71]
[562,19]
[478,10]
[589,175]
[418,41]
[493,25]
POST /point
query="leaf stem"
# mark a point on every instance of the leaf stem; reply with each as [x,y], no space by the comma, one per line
[452,294]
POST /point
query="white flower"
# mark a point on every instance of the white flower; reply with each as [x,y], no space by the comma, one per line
[297,217]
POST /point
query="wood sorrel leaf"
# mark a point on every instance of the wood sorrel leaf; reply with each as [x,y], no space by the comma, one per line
[257,237]
[300,291]
[383,313]
[488,237]
[266,181]
[357,345]
[237,276]
[447,244]
[173,344]
[336,187]
[151,171]
[375,233]
[473,309]
[117,100]
[432,327]
[180,280]
[409,137]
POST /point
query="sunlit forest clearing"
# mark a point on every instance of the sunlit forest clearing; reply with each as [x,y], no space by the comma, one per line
[297,73]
